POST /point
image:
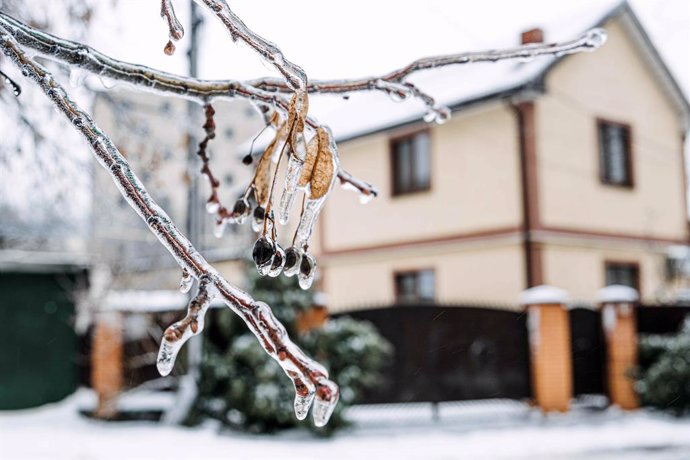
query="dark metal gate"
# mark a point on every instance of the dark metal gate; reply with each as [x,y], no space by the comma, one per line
[588,350]
[449,353]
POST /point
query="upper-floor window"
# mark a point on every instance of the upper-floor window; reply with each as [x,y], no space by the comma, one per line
[624,273]
[411,158]
[415,286]
[615,157]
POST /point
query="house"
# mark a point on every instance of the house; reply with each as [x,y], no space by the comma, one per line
[566,171]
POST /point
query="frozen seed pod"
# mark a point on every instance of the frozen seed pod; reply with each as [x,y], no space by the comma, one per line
[278,262]
[248,159]
[264,250]
[293,256]
[307,270]
[241,210]
[258,218]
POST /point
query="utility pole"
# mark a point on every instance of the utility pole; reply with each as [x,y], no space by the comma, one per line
[188,383]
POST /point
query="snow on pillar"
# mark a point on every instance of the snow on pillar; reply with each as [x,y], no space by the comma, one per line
[617,305]
[106,363]
[550,351]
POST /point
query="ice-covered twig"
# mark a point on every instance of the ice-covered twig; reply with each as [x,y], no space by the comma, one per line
[175,29]
[589,41]
[294,75]
[192,324]
[308,376]
[16,89]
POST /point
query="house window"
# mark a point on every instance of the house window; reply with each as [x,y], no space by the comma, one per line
[615,153]
[624,273]
[415,286]
[411,158]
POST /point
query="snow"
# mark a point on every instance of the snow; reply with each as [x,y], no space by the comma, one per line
[617,293]
[141,301]
[475,430]
[543,295]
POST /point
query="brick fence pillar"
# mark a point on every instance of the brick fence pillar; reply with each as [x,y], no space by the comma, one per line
[550,349]
[617,305]
[106,363]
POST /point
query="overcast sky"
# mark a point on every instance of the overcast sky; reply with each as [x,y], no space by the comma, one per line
[363,37]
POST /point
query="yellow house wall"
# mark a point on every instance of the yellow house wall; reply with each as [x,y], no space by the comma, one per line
[474,184]
[463,272]
[613,83]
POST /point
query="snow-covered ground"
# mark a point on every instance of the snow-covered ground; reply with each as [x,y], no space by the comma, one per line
[487,430]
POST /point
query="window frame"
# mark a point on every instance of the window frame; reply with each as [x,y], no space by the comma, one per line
[395,139]
[626,264]
[415,271]
[630,169]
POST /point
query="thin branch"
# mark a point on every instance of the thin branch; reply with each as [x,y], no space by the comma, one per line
[589,41]
[294,75]
[175,29]
[84,57]
[308,376]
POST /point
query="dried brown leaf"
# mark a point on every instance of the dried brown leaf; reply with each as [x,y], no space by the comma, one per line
[324,168]
[313,148]
[262,178]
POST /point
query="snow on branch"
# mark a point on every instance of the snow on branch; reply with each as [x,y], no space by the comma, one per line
[310,378]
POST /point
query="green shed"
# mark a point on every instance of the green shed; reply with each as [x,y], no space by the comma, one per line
[38,343]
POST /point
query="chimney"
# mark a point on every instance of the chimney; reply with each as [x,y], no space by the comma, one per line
[535,35]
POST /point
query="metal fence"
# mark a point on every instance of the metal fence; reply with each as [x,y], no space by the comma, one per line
[451,353]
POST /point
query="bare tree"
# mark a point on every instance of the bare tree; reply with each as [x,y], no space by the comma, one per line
[308,148]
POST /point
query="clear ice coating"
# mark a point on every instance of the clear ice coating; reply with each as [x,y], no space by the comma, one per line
[324,404]
[595,38]
[398,92]
[307,271]
[271,334]
[219,228]
[287,198]
[186,282]
[303,401]
[176,335]
[438,114]
[293,257]
[278,262]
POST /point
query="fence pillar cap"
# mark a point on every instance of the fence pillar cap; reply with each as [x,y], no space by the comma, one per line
[544,295]
[617,293]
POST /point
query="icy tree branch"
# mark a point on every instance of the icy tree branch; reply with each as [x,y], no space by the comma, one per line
[310,379]
[175,29]
[294,75]
[77,55]
[393,82]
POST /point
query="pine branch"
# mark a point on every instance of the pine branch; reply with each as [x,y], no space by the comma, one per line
[309,377]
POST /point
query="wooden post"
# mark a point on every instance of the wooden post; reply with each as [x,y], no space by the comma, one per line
[106,363]
[550,349]
[617,305]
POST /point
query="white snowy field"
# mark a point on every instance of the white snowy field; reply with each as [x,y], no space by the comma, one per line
[493,430]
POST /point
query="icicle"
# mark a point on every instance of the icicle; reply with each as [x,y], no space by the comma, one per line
[292,174]
[327,396]
[397,91]
[176,335]
[307,221]
[76,77]
[258,218]
[186,281]
[304,396]
[219,228]
[438,114]
[307,270]
[595,38]
[365,198]
[212,206]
